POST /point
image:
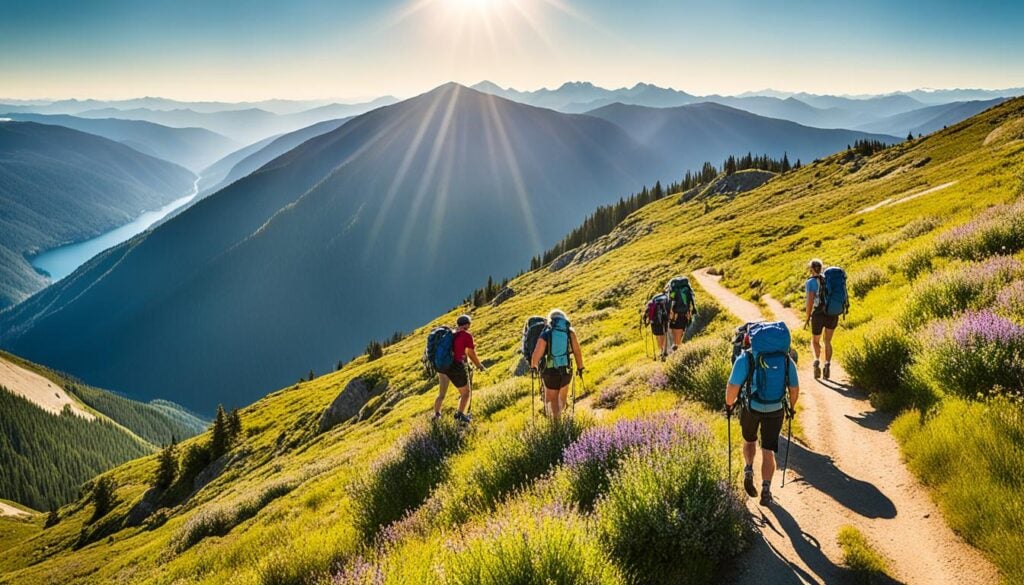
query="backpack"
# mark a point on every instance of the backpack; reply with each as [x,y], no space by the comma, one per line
[739,341]
[440,352]
[768,382]
[657,309]
[558,344]
[531,333]
[681,294]
[832,297]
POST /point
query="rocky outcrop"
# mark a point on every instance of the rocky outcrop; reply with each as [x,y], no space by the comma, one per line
[350,402]
[739,182]
[562,261]
[506,294]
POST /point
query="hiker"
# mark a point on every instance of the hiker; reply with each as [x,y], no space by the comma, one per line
[552,357]
[765,384]
[826,301]
[682,308]
[656,315]
[457,373]
[534,326]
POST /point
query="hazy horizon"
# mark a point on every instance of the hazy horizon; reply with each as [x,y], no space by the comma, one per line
[351,50]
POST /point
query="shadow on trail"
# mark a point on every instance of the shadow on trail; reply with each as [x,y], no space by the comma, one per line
[856,495]
[844,389]
[874,420]
[806,545]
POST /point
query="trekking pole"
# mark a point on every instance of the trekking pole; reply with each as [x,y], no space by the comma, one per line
[728,425]
[789,441]
[469,405]
[533,397]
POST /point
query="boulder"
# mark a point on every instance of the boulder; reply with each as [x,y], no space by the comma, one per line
[562,261]
[506,294]
[349,402]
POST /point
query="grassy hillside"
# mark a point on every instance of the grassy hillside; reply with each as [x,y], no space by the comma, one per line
[47,457]
[508,499]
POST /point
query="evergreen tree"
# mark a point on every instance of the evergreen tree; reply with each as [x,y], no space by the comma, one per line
[910,136]
[52,518]
[103,496]
[220,440]
[311,375]
[785,163]
[235,425]
[374,350]
[166,467]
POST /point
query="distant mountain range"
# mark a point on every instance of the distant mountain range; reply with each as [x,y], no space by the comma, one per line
[929,119]
[75,106]
[821,111]
[59,185]
[361,231]
[192,148]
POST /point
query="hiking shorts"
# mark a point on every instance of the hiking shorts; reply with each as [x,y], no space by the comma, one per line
[821,321]
[556,378]
[770,424]
[458,374]
[657,328]
[680,322]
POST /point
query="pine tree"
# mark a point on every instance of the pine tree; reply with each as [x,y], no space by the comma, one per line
[166,467]
[103,496]
[910,136]
[785,163]
[52,517]
[220,441]
[235,425]
[311,376]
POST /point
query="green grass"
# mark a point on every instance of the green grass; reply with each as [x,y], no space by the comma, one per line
[860,557]
[505,474]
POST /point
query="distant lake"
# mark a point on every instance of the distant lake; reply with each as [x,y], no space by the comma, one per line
[62,261]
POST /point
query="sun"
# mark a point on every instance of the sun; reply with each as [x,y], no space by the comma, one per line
[473,4]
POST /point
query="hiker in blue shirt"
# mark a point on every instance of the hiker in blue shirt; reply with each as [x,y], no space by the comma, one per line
[552,357]
[823,326]
[755,416]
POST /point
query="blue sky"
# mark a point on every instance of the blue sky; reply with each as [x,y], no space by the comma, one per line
[210,49]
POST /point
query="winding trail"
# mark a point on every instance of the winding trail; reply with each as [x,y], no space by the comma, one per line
[848,470]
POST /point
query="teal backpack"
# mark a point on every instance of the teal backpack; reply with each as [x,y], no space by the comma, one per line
[681,294]
[558,345]
[767,384]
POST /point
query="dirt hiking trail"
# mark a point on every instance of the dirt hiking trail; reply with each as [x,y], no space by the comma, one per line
[846,470]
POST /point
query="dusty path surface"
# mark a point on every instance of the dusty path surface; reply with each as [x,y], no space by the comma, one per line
[9,510]
[849,471]
[37,389]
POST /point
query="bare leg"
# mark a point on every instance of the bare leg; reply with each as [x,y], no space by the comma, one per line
[677,336]
[767,464]
[828,333]
[749,449]
[463,399]
[661,344]
[443,382]
[563,397]
[555,402]
[816,346]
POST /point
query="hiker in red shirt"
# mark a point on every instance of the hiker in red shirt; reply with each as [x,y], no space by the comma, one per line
[457,374]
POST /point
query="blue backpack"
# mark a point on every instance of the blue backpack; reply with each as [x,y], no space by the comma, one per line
[558,344]
[440,352]
[768,380]
[832,296]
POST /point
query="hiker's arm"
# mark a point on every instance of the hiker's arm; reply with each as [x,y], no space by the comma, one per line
[810,303]
[732,394]
[472,355]
[538,353]
[794,395]
[576,350]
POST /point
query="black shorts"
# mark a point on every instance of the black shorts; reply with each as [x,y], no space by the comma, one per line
[556,378]
[821,321]
[770,424]
[680,322]
[657,328]
[457,374]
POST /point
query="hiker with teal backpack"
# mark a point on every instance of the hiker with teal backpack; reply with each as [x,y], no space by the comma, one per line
[446,354]
[827,300]
[682,308]
[553,355]
[764,383]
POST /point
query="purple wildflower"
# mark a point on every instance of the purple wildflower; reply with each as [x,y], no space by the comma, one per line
[359,572]
[986,327]
[658,380]
[604,445]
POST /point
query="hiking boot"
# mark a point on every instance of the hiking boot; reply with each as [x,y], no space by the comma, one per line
[766,497]
[826,372]
[748,484]
[436,417]
[817,370]
[463,418]
[674,347]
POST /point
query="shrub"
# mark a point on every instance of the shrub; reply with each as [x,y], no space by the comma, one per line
[861,283]
[700,370]
[670,516]
[403,478]
[556,547]
[218,520]
[499,397]
[879,363]
[510,463]
[875,246]
[860,557]
[596,455]
[915,263]
[976,353]
[918,227]
[959,288]
[1010,301]
[611,396]
[999,230]
[970,453]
